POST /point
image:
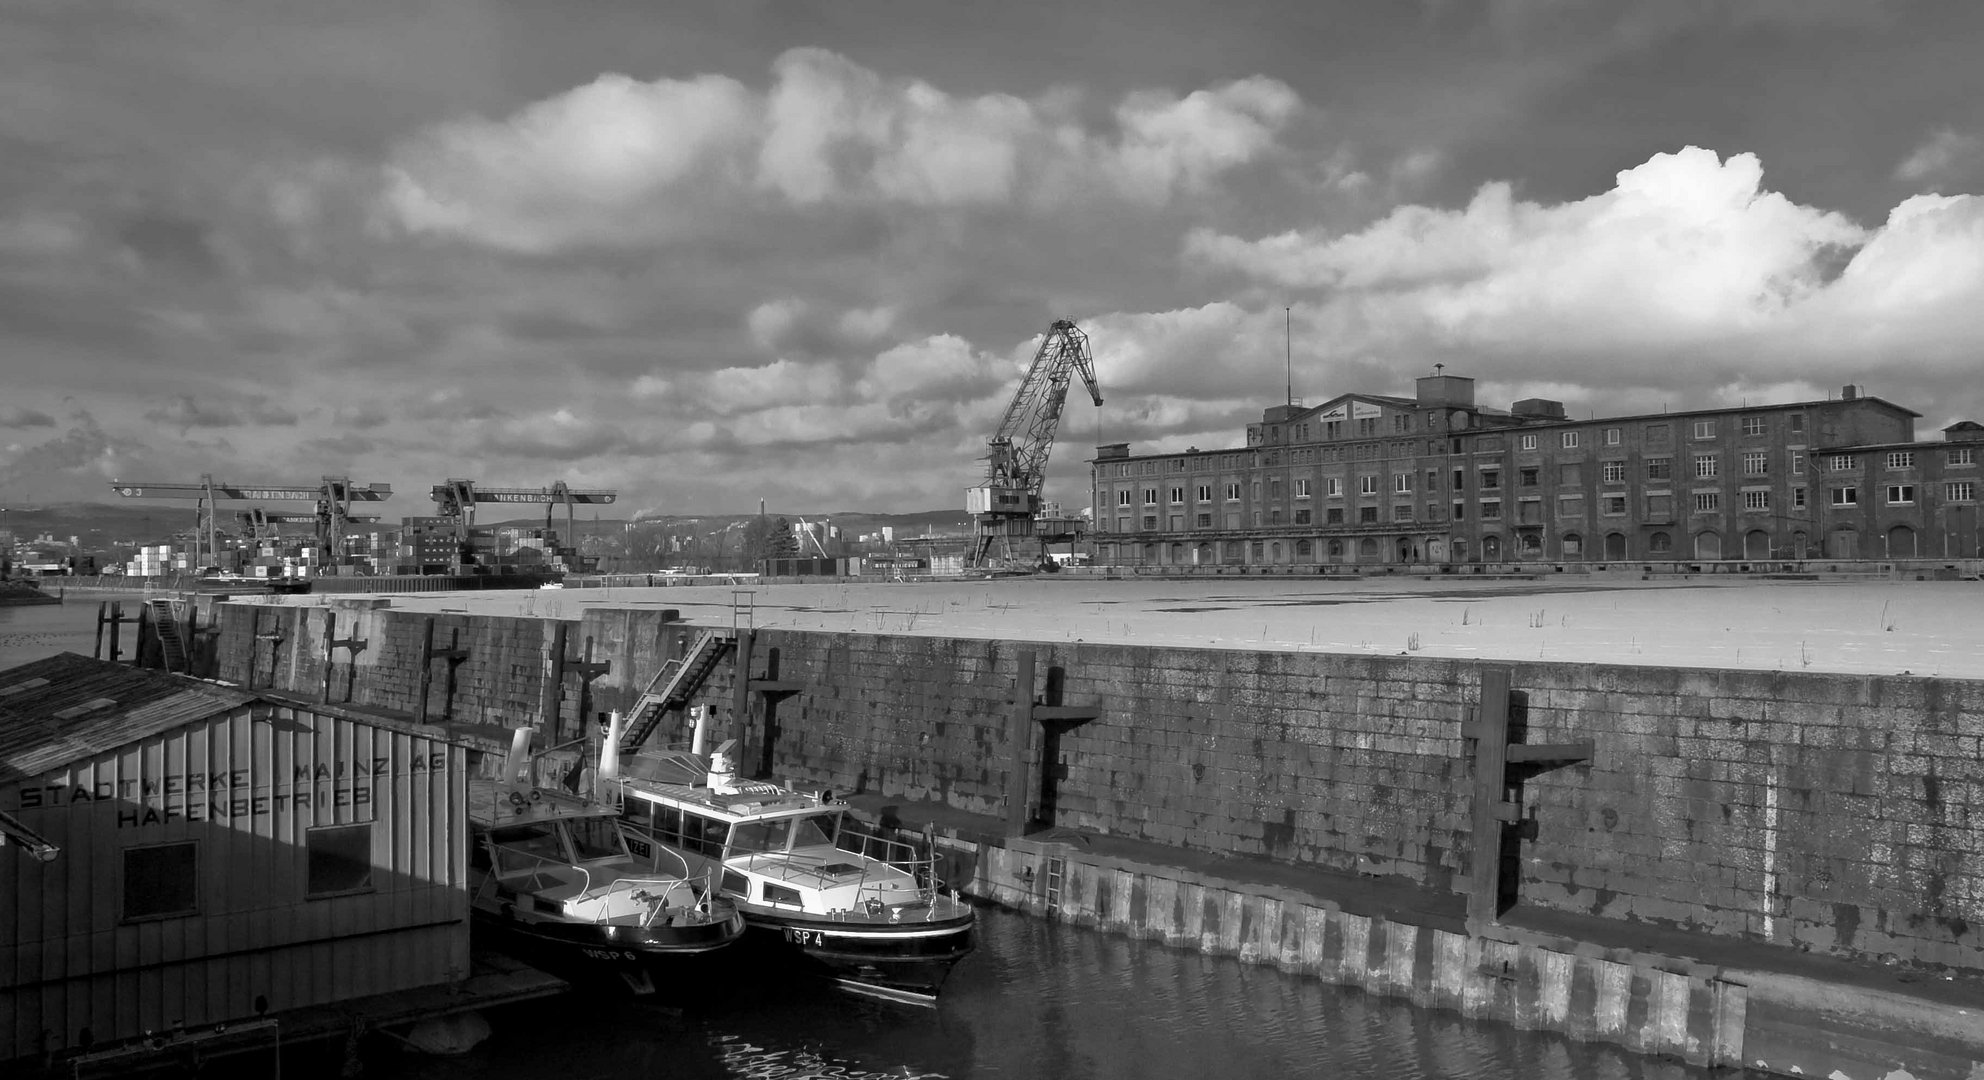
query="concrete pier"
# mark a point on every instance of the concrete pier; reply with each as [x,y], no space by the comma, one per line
[1773,868]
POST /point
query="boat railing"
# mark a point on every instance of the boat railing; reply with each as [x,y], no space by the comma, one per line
[657,888]
[907,856]
[655,893]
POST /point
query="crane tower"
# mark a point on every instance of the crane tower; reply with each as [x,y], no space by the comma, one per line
[1004,505]
[333,498]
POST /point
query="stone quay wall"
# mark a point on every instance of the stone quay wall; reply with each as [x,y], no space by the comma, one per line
[1827,812]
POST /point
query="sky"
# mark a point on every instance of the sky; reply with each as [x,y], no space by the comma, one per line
[710,253]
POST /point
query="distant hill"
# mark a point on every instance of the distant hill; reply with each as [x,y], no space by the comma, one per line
[99,527]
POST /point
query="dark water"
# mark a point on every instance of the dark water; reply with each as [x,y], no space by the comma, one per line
[1037,999]
[31,633]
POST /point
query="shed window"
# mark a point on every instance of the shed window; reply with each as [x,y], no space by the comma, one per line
[340,859]
[161,881]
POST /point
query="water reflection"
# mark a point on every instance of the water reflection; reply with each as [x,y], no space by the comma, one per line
[1037,1000]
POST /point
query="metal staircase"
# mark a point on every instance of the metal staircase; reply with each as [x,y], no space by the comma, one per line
[673,686]
[165,621]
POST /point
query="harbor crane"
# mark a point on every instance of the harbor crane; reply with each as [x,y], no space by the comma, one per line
[263,524]
[456,500]
[1005,505]
[333,497]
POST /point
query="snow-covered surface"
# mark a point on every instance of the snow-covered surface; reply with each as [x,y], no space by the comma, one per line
[1886,628]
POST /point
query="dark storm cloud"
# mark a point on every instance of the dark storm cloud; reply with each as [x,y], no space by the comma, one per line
[16,417]
[186,413]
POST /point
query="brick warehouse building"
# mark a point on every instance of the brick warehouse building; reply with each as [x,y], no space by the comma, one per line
[1371,479]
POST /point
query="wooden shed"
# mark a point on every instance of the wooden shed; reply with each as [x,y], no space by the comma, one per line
[177,855]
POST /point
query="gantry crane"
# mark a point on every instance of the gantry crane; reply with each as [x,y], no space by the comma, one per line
[1004,506]
[333,497]
[455,500]
[263,524]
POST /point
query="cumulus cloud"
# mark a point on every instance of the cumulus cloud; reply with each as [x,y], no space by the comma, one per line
[612,147]
[1171,143]
[1944,150]
[620,162]
[1688,274]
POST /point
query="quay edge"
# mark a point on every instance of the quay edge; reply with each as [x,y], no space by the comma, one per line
[1717,1016]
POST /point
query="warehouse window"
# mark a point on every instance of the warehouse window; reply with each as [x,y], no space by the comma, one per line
[161,881]
[340,859]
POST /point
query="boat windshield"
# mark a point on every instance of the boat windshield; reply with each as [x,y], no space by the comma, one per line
[596,838]
[782,834]
[526,847]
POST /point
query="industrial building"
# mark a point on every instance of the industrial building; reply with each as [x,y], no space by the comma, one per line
[185,863]
[1367,480]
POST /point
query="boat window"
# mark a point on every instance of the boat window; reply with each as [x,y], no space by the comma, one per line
[703,835]
[814,831]
[596,838]
[779,894]
[751,836]
[526,847]
[659,820]
[736,884]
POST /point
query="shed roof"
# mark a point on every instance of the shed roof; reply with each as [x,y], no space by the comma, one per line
[56,710]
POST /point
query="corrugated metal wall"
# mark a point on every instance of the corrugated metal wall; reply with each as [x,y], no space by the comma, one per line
[246,786]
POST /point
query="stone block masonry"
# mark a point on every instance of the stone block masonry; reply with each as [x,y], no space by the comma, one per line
[1827,813]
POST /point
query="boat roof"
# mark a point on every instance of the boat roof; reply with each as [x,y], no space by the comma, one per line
[681,778]
[760,805]
[489,805]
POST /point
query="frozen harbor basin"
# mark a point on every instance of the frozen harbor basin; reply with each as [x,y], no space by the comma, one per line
[1859,627]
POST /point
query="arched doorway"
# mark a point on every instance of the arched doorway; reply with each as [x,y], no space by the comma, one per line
[1274,552]
[1659,544]
[1460,549]
[1202,555]
[1573,546]
[1177,554]
[1336,551]
[1530,543]
[1436,550]
[1901,542]
[1405,549]
[1367,550]
[1615,546]
[1491,548]
[1800,545]
[1845,544]
[1150,554]
[1708,545]
[1756,544]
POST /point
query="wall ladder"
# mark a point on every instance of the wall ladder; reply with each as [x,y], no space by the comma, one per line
[1057,872]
